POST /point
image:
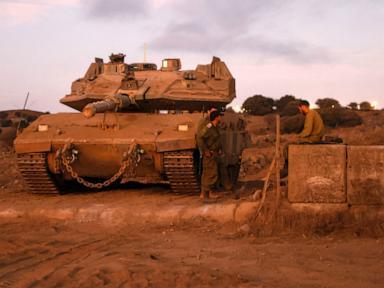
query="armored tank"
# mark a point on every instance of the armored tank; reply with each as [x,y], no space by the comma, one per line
[137,124]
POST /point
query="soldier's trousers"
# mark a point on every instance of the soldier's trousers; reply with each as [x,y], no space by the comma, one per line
[224,178]
[210,174]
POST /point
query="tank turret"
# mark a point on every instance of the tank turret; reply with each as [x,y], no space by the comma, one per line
[149,89]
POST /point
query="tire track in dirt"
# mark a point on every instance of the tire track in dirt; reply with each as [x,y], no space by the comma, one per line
[20,274]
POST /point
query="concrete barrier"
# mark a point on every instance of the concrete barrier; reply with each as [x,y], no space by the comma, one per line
[317,174]
[365,175]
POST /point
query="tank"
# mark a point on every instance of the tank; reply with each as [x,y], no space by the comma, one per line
[137,124]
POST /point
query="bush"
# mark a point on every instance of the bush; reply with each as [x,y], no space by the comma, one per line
[353,106]
[3,115]
[258,105]
[292,124]
[5,123]
[366,106]
[18,114]
[328,103]
[23,124]
[340,117]
[31,118]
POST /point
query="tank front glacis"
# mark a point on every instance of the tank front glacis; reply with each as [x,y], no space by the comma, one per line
[122,135]
[140,87]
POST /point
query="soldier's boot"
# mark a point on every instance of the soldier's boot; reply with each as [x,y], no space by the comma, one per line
[212,195]
[236,194]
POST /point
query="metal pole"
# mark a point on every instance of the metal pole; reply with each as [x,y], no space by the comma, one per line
[26,100]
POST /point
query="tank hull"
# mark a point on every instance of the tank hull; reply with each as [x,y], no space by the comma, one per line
[97,147]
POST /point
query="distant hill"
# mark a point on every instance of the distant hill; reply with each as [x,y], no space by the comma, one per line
[10,120]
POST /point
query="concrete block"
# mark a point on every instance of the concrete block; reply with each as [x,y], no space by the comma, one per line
[365,175]
[317,174]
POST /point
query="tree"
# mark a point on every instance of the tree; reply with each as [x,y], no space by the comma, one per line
[365,106]
[353,106]
[258,105]
[283,102]
[328,103]
[291,109]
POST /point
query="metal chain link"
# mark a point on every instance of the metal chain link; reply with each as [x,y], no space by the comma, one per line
[129,164]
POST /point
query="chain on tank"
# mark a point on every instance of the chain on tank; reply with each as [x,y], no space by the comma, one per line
[128,166]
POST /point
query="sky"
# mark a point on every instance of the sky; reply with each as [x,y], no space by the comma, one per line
[308,48]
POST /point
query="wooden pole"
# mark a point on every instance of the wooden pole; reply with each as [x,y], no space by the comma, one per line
[277,156]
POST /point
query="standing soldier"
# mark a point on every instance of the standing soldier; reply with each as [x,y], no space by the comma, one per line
[211,150]
[214,169]
[223,176]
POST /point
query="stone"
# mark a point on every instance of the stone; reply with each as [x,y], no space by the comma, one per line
[245,228]
[365,180]
[317,173]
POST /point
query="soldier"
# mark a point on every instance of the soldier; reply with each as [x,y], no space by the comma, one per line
[312,132]
[224,179]
[200,126]
[211,150]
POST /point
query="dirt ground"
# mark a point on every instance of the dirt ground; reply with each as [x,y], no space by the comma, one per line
[44,252]
[41,253]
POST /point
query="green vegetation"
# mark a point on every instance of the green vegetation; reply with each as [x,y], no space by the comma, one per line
[5,123]
[333,114]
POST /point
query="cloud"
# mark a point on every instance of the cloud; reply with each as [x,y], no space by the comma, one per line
[116,9]
[227,25]
[25,11]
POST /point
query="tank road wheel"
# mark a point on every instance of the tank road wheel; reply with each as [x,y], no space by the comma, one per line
[34,169]
[181,170]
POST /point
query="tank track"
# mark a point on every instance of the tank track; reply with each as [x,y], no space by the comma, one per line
[180,168]
[34,169]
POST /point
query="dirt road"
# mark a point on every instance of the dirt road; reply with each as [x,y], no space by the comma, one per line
[41,253]
[79,251]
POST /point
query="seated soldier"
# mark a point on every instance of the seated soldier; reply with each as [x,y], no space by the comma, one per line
[312,132]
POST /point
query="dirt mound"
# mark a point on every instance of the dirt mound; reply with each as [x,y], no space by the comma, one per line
[11,120]
[10,178]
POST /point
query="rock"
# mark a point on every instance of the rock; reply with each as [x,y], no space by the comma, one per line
[257,195]
[245,228]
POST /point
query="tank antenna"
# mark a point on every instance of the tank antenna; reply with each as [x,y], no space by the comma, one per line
[145,52]
[26,101]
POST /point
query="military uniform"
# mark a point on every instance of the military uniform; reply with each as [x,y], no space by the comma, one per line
[312,132]
[200,126]
[210,143]
[223,176]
